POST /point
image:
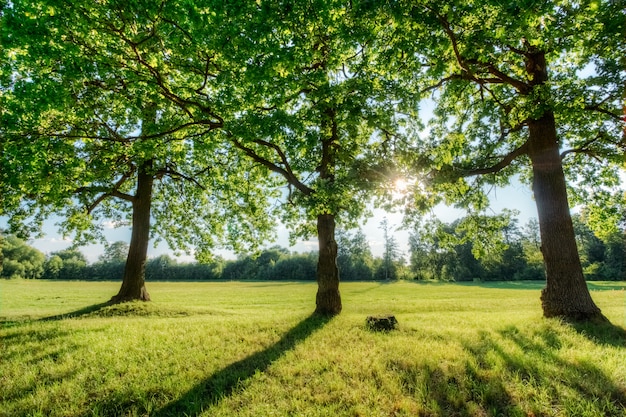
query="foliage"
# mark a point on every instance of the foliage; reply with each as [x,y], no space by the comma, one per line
[470,59]
[601,258]
[163,268]
[68,264]
[440,251]
[354,258]
[19,260]
[391,255]
[273,264]
[333,116]
[84,118]
[115,252]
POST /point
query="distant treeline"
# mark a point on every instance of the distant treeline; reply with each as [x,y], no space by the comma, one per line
[444,255]
[450,253]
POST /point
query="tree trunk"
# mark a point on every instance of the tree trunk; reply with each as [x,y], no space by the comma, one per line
[328,300]
[566,294]
[623,257]
[133,284]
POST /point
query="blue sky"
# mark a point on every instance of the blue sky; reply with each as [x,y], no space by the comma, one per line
[515,196]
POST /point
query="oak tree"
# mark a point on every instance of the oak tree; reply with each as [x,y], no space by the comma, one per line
[534,88]
[91,133]
[323,116]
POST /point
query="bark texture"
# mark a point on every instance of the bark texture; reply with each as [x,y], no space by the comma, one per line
[328,299]
[133,284]
[566,294]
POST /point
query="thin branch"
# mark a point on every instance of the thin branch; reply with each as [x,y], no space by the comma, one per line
[505,132]
[177,175]
[285,172]
[212,125]
[585,151]
[504,162]
[596,107]
[287,100]
[442,82]
[165,90]
[207,75]
[500,77]
[177,26]
[122,196]
[107,192]
[118,138]
[506,107]
[276,148]
[516,50]
[455,46]
[584,148]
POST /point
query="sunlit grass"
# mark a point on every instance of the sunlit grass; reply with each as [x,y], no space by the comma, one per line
[252,349]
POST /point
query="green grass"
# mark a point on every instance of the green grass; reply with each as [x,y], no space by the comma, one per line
[253,349]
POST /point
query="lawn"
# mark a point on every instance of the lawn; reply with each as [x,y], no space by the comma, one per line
[253,349]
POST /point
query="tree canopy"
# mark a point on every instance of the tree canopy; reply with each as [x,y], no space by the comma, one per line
[528,89]
[93,133]
[20,260]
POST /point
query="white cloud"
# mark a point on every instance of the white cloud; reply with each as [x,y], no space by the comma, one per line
[112,224]
[64,239]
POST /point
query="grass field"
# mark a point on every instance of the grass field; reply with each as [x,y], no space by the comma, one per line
[253,349]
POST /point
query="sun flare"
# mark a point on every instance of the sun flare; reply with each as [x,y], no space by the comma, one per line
[400,186]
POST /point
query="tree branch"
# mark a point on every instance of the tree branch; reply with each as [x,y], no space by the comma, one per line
[520,86]
[177,175]
[115,137]
[285,172]
[596,107]
[442,82]
[122,196]
[500,77]
[584,149]
[158,78]
[287,100]
[107,192]
[504,162]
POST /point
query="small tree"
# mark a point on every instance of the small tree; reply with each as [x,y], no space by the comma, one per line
[354,256]
[115,252]
[53,267]
[391,253]
[19,260]
[73,264]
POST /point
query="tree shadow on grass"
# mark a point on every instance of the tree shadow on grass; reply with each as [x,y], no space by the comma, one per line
[514,372]
[5,324]
[77,313]
[224,382]
[463,389]
[537,362]
[603,333]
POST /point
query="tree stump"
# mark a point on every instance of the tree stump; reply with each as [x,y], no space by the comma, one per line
[381,323]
